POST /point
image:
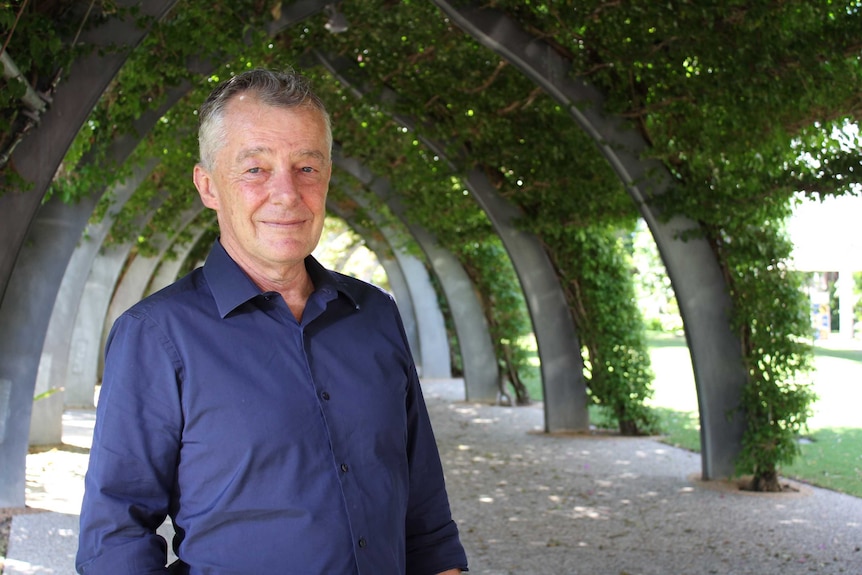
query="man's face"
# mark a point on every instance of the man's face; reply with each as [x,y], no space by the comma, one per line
[268,184]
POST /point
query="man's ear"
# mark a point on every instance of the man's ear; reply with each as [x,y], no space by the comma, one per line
[206,188]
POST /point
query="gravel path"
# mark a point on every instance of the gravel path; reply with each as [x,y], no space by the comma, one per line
[531,503]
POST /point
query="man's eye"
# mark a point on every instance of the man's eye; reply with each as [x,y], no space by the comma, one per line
[254,170]
[308,169]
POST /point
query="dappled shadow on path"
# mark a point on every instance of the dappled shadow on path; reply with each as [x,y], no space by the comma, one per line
[529,502]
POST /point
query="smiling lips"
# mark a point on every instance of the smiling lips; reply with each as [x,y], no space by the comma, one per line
[283,223]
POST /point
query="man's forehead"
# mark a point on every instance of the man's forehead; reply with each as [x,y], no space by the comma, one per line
[253,100]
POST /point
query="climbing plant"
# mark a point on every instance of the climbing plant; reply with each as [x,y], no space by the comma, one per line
[36,53]
[497,115]
[594,265]
[732,98]
[744,103]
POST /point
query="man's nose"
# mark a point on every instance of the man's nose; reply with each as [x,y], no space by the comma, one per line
[284,189]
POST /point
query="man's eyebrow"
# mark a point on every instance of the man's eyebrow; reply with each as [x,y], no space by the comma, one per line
[317,154]
[263,150]
[252,152]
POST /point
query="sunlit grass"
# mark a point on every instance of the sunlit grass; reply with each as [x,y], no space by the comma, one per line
[679,428]
[831,451]
[831,458]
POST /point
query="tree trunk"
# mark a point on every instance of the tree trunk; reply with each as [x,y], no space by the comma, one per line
[766,481]
[629,427]
[522,396]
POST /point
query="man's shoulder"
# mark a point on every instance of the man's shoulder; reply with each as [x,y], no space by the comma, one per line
[191,289]
[360,290]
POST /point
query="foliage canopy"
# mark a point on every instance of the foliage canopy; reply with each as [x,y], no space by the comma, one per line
[744,102]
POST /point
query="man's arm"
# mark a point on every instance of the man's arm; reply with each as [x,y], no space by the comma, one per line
[133,457]
[432,536]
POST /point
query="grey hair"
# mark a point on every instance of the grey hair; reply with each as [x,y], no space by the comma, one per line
[286,89]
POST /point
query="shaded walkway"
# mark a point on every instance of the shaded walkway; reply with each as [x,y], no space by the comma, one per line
[530,503]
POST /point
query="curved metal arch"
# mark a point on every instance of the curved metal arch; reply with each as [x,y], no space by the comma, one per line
[135,278]
[87,332]
[691,265]
[61,346]
[481,373]
[38,156]
[30,273]
[137,275]
[562,369]
[394,273]
[168,270]
[430,342]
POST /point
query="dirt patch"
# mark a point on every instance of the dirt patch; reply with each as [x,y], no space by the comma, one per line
[742,485]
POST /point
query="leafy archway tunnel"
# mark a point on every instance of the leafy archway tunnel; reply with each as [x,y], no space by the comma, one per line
[552,127]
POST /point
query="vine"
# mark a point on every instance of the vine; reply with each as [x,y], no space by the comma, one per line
[745,105]
[736,100]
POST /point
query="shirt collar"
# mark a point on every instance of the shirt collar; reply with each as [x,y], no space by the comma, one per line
[231,287]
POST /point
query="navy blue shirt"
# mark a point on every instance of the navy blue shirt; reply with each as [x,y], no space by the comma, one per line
[275,446]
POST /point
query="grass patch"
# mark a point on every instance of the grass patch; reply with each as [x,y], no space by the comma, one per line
[831,453]
[838,353]
[679,428]
[831,458]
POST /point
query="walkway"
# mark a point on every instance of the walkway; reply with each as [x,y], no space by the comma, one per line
[528,503]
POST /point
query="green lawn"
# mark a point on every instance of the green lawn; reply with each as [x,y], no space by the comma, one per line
[832,448]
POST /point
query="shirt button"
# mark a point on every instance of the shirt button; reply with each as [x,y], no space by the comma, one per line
[325,395]
[362,542]
[344,467]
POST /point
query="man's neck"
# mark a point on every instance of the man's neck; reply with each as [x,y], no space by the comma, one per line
[291,281]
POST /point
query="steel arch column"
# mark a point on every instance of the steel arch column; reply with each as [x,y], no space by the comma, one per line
[691,265]
[481,373]
[30,274]
[58,351]
[562,368]
[431,351]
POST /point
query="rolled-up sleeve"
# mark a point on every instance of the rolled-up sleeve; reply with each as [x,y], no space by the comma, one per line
[133,460]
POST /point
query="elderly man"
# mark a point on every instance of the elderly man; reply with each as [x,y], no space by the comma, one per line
[270,407]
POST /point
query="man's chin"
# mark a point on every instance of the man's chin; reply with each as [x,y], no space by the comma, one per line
[287,253]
